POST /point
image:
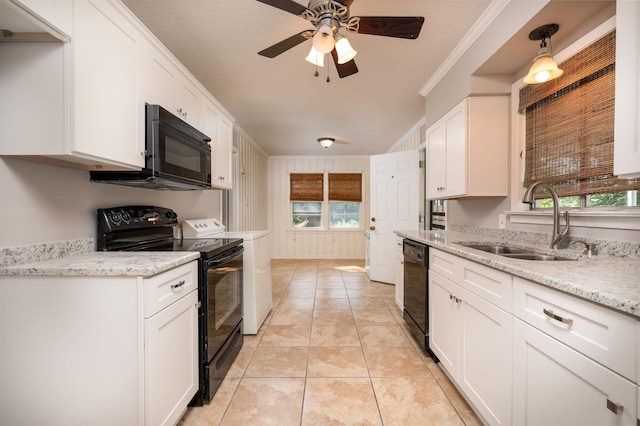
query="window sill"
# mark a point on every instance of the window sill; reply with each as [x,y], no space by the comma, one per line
[588,219]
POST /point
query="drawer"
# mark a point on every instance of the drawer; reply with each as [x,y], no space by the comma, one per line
[444,263]
[492,285]
[603,335]
[163,289]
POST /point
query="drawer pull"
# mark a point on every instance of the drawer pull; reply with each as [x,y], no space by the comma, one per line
[550,314]
[452,297]
[177,286]
[615,408]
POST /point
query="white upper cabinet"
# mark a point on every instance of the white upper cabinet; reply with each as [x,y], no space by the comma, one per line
[467,150]
[167,85]
[626,162]
[55,14]
[219,128]
[108,114]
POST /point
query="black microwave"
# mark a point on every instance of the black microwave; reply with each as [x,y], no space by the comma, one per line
[177,157]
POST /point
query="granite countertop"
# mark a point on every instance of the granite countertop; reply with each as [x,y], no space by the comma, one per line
[98,263]
[610,281]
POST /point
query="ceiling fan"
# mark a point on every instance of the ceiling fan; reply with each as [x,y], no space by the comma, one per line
[328,17]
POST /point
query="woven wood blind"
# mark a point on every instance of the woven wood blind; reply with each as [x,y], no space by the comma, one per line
[306,186]
[345,187]
[570,123]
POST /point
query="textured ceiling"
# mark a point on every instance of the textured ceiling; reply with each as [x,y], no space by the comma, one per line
[278,102]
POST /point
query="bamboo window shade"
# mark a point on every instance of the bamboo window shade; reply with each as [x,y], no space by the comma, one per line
[306,186]
[345,187]
[570,125]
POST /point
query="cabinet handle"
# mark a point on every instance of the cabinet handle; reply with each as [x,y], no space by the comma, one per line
[177,286]
[550,314]
[614,407]
[373,228]
[452,297]
[198,305]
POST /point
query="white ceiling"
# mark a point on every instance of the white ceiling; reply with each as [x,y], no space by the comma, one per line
[279,102]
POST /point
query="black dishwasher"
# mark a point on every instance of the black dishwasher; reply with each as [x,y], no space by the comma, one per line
[416,292]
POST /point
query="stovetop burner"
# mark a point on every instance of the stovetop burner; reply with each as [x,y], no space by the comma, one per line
[149,228]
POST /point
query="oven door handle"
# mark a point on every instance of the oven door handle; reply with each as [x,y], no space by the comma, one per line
[235,253]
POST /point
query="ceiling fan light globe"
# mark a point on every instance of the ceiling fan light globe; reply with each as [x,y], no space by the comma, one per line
[345,51]
[323,40]
[544,68]
[315,57]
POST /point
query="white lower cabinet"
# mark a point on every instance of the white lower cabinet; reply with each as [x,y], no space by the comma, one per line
[80,350]
[472,339]
[556,385]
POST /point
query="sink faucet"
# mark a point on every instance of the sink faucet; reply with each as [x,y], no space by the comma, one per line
[557,236]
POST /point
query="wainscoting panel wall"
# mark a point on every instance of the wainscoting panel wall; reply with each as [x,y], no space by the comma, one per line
[288,243]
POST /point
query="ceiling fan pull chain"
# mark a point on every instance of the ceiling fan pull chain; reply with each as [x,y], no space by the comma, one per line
[328,78]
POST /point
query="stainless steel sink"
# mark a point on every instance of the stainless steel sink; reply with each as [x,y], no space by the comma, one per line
[515,252]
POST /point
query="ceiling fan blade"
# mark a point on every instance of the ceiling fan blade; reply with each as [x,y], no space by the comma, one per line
[346,69]
[286,5]
[388,26]
[284,45]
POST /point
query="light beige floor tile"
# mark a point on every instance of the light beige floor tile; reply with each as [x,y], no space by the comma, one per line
[241,362]
[336,361]
[414,401]
[286,335]
[458,402]
[333,317]
[395,362]
[382,335]
[332,303]
[334,335]
[339,293]
[293,303]
[341,401]
[302,284]
[322,283]
[266,402]
[292,317]
[210,415]
[301,292]
[278,361]
[367,303]
[374,317]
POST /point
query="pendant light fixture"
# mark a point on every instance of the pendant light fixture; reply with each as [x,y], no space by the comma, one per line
[315,57]
[326,142]
[344,50]
[544,67]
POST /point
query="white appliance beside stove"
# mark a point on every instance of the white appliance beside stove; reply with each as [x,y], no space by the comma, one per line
[257,296]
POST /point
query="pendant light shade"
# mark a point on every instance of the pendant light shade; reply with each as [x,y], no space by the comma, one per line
[344,50]
[326,142]
[315,57]
[544,68]
[323,40]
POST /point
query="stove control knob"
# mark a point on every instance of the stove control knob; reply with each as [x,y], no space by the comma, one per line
[115,218]
[125,216]
[171,215]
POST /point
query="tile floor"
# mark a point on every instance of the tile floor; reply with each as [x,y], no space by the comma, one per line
[334,350]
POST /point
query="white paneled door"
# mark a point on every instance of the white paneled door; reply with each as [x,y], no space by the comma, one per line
[395,206]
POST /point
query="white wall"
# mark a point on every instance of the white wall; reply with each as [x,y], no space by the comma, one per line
[44,203]
[294,244]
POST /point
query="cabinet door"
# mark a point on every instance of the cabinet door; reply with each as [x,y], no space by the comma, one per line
[626,161]
[161,79]
[484,373]
[436,154]
[443,321]
[222,154]
[455,123]
[108,115]
[189,101]
[555,385]
[171,361]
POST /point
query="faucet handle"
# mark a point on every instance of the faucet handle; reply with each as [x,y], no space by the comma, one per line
[589,249]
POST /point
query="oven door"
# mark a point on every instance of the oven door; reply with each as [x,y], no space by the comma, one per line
[223,298]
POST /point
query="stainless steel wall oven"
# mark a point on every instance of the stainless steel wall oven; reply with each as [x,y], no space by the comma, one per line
[220,281]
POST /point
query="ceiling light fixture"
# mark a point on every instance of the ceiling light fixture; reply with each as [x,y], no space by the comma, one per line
[344,50]
[323,40]
[315,57]
[544,67]
[326,142]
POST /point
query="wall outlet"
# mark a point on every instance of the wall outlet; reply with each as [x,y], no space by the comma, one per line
[502,221]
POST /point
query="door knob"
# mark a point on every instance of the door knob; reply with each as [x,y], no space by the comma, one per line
[373,219]
[373,228]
